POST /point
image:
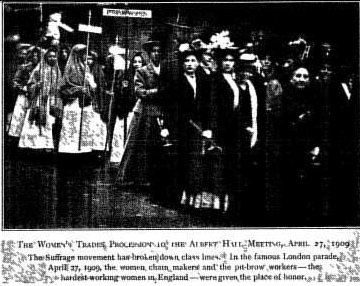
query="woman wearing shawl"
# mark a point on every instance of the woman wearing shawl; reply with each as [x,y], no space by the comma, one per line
[81,92]
[100,104]
[20,81]
[43,100]
[64,53]
[123,104]
[35,141]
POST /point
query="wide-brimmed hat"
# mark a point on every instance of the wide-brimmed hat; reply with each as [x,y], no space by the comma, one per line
[187,50]
[221,53]
[23,46]
[247,57]
[147,46]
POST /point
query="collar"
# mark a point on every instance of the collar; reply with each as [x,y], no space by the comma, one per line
[190,75]
[154,66]
[230,75]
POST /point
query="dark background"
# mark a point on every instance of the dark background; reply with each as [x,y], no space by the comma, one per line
[337,23]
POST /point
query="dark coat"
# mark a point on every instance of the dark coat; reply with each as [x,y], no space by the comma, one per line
[300,125]
[230,131]
[230,122]
[183,108]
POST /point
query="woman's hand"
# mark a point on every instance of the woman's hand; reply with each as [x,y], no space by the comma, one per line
[109,93]
[164,133]
[253,134]
[90,79]
[149,93]
[124,83]
[207,134]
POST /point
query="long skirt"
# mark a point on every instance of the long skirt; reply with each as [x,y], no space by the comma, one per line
[99,133]
[70,131]
[117,145]
[201,171]
[18,117]
[37,137]
[138,164]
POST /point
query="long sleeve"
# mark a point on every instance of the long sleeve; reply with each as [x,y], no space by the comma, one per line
[33,87]
[21,77]
[145,86]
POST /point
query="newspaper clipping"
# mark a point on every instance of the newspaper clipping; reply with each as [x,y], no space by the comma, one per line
[181,143]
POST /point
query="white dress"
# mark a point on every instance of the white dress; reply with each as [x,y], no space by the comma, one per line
[18,116]
[37,137]
[99,131]
[70,131]
[117,145]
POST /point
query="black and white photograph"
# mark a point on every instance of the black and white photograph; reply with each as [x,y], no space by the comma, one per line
[122,115]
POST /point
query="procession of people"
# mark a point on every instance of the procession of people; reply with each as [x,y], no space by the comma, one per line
[228,129]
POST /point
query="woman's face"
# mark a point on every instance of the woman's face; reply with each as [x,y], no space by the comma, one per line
[64,54]
[22,55]
[228,64]
[208,60]
[300,78]
[51,58]
[90,60]
[137,62]
[190,65]
[155,55]
[326,72]
[266,63]
[35,57]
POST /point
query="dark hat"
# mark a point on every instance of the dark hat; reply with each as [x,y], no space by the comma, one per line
[198,44]
[327,53]
[63,46]
[246,54]
[53,49]
[32,50]
[221,53]
[147,46]
[187,50]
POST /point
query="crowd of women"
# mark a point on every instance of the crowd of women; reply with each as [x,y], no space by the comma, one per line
[214,127]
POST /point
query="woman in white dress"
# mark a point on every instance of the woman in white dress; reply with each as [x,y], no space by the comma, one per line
[100,105]
[81,91]
[36,168]
[20,81]
[77,91]
[43,99]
